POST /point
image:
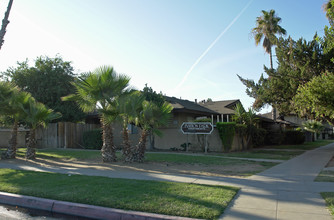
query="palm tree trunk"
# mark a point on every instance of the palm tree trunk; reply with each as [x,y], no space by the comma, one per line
[31,146]
[12,143]
[127,152]
[271,66]
[5,22]
[108,149]
[151,140]
[271,58]
[141,147]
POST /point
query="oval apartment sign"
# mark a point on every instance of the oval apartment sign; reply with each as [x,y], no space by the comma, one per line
[196,128]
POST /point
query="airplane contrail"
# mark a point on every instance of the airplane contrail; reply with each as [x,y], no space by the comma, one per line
[212,44]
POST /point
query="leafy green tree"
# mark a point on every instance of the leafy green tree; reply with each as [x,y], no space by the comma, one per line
[99,91]
[152,96]
[47,81]
[267,27]
[327,40]
[11,100]
[315,99]
[5,22]
[298,62]
[36,114]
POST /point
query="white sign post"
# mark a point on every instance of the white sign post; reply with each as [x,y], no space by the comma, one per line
[197,128]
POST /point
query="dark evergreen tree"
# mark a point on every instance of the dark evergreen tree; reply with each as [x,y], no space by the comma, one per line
[47,81]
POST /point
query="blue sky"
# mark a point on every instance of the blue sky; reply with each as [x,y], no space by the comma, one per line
[168,44]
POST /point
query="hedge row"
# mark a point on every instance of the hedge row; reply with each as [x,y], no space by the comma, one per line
[93,139]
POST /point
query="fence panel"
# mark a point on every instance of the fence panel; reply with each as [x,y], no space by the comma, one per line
[62,135]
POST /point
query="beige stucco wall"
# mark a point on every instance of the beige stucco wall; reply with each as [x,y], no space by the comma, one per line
[179,118]
[173,138]
[5,135]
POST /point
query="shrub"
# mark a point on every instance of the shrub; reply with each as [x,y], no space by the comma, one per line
[241,129]
[226,132]
[274,138]
[258,137]
[93,139]
[294,137]
[184,146]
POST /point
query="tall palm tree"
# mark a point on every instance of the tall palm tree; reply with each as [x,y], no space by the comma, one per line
[328,8]
[5,22]
[11,98]
[128,107]
[267,27]
[36,114]
[99,91]
[150,118]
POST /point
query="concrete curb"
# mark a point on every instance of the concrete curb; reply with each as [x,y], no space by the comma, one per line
[80,210]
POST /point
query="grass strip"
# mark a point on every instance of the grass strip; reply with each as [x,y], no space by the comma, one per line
[150,157]
[179,199]
[325,176]
[200,159]
[265,154]
[329,198]
[305,146]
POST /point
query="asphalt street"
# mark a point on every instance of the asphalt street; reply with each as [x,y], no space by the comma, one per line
[15,213]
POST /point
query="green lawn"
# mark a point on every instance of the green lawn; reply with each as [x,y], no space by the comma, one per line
[64,154]
[199,159]
[329,198]
[305,146]
[281,154]
[69,154]
[180,199]
[265,154]
[325,176]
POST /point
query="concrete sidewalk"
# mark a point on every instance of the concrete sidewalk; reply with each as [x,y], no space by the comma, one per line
[286,191]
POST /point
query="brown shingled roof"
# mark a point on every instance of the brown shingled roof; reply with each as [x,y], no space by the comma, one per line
[223,107]
[186,105]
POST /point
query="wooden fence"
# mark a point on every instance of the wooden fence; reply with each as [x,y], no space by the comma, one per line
[63,135]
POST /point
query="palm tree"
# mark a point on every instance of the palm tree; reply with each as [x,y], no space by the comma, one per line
[267,27]
[314,126]
[11,98]
[128,107]
[247,121]
[99,91]
[5,22]
[239,113]
[328,8]
[150,118]
[36,114]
